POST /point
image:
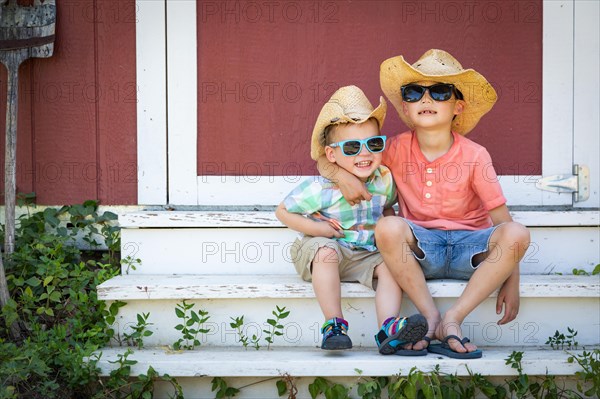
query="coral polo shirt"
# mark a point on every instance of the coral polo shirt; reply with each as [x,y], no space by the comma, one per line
[453,192]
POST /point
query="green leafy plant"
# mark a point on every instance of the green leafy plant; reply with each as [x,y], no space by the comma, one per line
[61,255]
[524,386]
[119,377]
[139,331]
[112,239]
[287,385]
[329,389]
[130,263]
[120,385]
[371,388]
[275,328]
[406,386]
[560,340]
[25,199]
[191,325]
[582,272]
[487,388]
[110,316]
[590,375]
[222,388]
[520,385]
[238,325]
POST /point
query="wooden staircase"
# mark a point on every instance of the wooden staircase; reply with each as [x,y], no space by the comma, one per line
[234,264]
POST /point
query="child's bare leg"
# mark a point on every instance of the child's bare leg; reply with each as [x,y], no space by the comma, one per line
[326,282]
[396,243]
[388,296]
[508,245]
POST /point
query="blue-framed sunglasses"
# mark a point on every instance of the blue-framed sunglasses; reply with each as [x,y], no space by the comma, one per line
[351,148]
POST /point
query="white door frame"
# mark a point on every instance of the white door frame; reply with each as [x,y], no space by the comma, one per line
[586,98]
[179,182]
[151,63]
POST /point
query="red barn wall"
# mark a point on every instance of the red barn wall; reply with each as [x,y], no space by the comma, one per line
[77,109]
[266,69]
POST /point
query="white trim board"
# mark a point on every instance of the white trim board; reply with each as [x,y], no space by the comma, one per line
[182,100]
[186,188]
[270,190]
[151,102]
[586,84]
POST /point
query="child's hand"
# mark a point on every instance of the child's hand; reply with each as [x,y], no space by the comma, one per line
[509,298]
[326,229]
[354,190]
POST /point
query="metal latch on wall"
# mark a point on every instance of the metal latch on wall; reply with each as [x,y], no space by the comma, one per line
[578,183]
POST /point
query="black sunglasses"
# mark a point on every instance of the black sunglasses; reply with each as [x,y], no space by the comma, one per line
[352,148]
[439,92]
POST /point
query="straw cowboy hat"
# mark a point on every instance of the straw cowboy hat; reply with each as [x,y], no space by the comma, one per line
[347,105]
[439,66]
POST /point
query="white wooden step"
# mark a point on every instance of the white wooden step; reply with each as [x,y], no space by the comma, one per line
[173,219]
[255,242]
[300,362]
[548,303]
[145,287]
[267,250]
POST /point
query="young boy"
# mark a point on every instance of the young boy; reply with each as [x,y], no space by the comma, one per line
[339,238]
[455,223]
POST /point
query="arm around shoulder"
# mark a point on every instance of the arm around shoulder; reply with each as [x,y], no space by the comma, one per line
[351,187]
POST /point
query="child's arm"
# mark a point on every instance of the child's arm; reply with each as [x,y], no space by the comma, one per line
[392,199]
[389,209]
[353,190]
[509,292]
[305,225]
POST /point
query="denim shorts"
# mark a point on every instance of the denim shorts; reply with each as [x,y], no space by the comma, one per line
[449,253]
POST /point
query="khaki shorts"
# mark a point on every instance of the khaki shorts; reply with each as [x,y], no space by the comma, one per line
[354,265]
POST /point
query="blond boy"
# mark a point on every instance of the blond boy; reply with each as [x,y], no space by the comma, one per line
[339,239]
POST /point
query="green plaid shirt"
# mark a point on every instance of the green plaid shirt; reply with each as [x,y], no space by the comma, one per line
[320,199]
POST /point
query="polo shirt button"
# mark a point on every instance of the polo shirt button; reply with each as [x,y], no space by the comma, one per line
[429,184]
[427,195]
[429,170]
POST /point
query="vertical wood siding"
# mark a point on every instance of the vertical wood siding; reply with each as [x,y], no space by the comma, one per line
[265,70]
[77,110]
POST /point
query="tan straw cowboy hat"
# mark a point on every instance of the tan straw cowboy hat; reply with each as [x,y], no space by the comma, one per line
[347,105]
[439,66]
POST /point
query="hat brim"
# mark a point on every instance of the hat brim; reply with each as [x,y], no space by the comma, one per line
[317,145]
[478,93]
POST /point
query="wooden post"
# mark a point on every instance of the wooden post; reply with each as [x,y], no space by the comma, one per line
[10,182]
[25,32]
[15,332]
[12,62]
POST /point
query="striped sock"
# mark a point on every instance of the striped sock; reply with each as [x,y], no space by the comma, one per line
[336,321]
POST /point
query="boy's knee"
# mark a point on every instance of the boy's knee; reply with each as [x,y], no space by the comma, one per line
[392,230]
[516,233]
[326,256]
[515,236]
